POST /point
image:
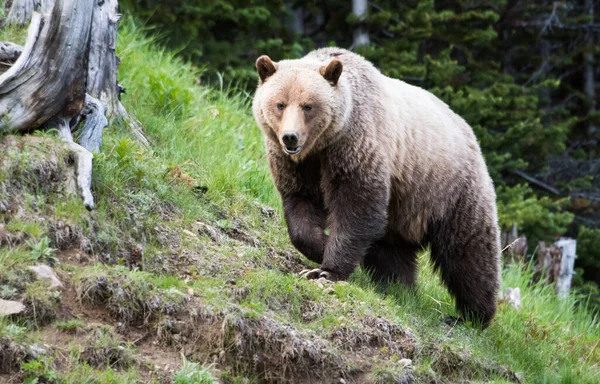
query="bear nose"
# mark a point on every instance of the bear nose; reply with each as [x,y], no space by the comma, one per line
[290,139]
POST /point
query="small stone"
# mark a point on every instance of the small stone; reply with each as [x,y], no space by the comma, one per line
[329,291]
[44,272]
[342,381]
[35,351]
[405,362]
[9,307]
[190,291]
[513,297]
[189,233]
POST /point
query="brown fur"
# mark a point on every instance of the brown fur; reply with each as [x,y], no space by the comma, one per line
[387,167]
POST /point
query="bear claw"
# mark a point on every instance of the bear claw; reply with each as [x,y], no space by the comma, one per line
[314,274]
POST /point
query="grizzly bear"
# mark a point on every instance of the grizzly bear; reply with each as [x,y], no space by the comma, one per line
[386,167]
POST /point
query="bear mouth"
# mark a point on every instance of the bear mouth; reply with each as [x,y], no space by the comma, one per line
[293,150]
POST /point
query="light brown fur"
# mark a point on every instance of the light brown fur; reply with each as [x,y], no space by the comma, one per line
[388,167]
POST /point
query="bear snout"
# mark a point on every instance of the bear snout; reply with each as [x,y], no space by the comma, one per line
[291,142]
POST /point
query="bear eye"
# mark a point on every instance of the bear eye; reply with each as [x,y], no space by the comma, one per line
[307,107]
[280,106]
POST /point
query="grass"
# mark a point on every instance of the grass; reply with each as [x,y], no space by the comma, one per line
[154,274]
[193,373]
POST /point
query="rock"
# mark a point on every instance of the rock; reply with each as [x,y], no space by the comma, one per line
[9,307]
[44,272]
[210,231]
[405,362]
[35,351]
[512,296]
[189,233]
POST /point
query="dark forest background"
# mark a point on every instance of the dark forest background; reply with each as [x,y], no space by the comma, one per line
[523,73]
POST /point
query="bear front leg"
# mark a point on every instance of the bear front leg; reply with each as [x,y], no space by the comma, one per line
[357,217]
[306,219]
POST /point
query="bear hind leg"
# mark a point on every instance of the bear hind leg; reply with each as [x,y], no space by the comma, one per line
[393,259]
[466,252]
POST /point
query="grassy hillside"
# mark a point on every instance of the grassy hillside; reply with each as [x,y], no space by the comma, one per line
[184,272]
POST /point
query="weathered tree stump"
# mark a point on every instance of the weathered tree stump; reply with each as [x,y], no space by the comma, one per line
[556,262]
[65,74]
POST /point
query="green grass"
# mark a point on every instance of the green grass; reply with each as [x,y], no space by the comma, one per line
[70,326]
[212,138]
[193,373]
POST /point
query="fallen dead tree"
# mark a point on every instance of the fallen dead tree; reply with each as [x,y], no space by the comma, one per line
[65,78]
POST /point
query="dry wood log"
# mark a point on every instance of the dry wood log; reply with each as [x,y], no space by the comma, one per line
[48,79]
[70,50]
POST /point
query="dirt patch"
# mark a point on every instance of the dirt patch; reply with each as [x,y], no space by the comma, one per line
[35,165]
[64,236]
[103,348]
[460,364]
[128,300]
[280,353]
[10,239]
[375,335]
[11,356]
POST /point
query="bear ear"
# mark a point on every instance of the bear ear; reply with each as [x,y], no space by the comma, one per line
[332,72]
[265,67]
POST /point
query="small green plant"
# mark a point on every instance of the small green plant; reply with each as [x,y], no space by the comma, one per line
[193,373]
[8,292]
[38,371]
[70,326]
[41,250]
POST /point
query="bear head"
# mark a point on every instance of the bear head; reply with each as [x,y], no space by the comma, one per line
[299,104]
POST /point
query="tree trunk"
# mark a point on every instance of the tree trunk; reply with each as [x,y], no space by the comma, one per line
[21,11]
[297,13]
[590,83]
[66,74]
[48,79]
[361,36]
[567,263]
[102,64]
[556,263]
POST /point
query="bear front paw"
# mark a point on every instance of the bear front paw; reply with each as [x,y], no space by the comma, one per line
[317,273]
